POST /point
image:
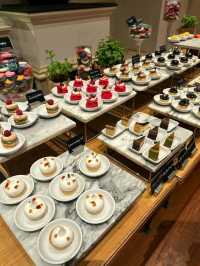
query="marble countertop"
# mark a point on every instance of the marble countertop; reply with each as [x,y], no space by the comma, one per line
[120,144]
[124,187]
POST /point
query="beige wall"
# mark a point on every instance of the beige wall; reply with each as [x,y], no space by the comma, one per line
[194,9]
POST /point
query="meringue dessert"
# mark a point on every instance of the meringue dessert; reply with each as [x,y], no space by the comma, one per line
[93,162]
[14,187]
[20,117]
[61,237]
[9,139]
[48,166]
[94,203]
[11,106]
[68,183]
[35,208]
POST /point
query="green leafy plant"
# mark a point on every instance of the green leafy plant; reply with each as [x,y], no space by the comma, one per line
[57,71]
[109,52]
[189,21]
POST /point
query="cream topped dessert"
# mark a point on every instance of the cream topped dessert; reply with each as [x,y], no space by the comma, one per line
[94,203]
[61,237]
[93,161]
[35,208]
[48,166]
[14,187]
[68,182]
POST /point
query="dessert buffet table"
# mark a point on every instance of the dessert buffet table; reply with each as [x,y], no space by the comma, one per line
[116,181]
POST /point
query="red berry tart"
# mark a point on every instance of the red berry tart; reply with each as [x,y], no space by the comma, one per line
[51,106]
[104,81]
[61,88]
[106,95]
[91,88]
[92,102]
[78,83]
[75,95]
[120,87]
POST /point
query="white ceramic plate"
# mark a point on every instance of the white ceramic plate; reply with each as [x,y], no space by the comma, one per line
[118,131]
[176,106]
[28,225]
[195,101]
[82,104]
[105,166]
[5,199]
[141,117]
[36,173]
[22,105]
[164,152]
[160,102]
[55,93]
[5,126]
[6,151]
[113,99]
[42,112]
[56,193]
[32,117]
[55,256]
[141,82]
[174,67]
[125,93]
[67,99]
[104,215]
[172,124]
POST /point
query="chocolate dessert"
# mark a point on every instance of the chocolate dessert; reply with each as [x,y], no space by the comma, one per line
[173,90]
[158,53]
[161,60]
[164,97]
[184,59]
[153,133]
[184,103]
[176,51]
[171,56]
[191,95]
[149,56]
[137,143]
[165,123]
[174,62]
[189,55]
[197,88]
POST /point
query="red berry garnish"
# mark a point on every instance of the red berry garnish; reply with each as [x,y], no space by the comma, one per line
[50,101]
[19,112]
[7,133]
[9,101]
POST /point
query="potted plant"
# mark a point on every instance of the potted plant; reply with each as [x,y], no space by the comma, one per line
[189,23]
[109,52]
[57,71]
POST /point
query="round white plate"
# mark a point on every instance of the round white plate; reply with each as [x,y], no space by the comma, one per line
[174,67]
[166,91]
[105,166]
[36,173]
[42,112]
[5,199]
[32,117]
[55,93]
[158,101]
[82,104]
[113,99]
[141,82]
[101,217]
[56,193]
[67,99]
[125,93]
[118,75]
[196,112]
[6,151]
[28,225]
[55,256]
[175,105]
[22,105]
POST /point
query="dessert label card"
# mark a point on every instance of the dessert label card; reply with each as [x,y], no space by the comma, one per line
[76,145]
[36,96]
[95,74]
[135,59]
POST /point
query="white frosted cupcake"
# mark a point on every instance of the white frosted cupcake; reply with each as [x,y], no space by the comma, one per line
[48,166]
[61,237]
[68,183]
[94,203]
[93,161]
[14,187]
[35,209]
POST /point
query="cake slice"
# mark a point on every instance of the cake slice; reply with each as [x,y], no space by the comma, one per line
[137,143]
[110,130]
[169,140]
[154,152]
[140,128]
[165,123]
[124,121]
[153,133]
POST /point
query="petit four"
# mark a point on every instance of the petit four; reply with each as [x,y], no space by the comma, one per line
[94,203]
[61,88]
[14,187]
[110,130]
[146,64]
[174,38]
[174,62]
[139,128]
[141,76]
[124,74]
[91,88]
[93,161]
[68,183]
[154,152]
[61,237]
[173,91]
[51,106]
[125,121]
[75,95]
[149,57]
[136,68]
[92,102]
[11,106]
[120,86]
[164,123]
[192,96]
[104,81]
[154,74]
[164,97]
[9,139]
[184,103]
[158,53]
[106,94]
[20,117]
[169,140]
[48,166]
[35,208]
[153,133]
[78,82]
[137,143]
[161,61]
[114,70]
[171,56]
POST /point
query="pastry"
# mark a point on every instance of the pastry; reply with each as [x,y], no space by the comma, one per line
[93,162]
[51,106]
[48,166]
[68,183]
[125,121]
[164,98]
[192,96]
[91,88]
[78,82]
[61,237]
[92,102]
[174,62]
[35,208]
[164,123]
[137,143]
[94,203]
[61,88]
[171,56]
[154,152]
[149,57]
[120,86]
[141,76]
[161,61]
[146,64]
[184,60]
[9,139]
[11,106]
[110,130]
[139,128]
[14,187]
[158,53]
[154,74]
[153,133]
[184,103]
[20,117]
[104,81]
[174,38]
[173,91]
[106,94]
[75,95]
[169,140]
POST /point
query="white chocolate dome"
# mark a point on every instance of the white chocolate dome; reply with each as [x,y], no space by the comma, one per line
[47,166]
[14,187]
[94,203]
[93,161]
[68,182]
[61,237]
[35,208]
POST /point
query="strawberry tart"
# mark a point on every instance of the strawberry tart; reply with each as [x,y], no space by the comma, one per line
[11,106]
[51,106]
[20,117]
[75,95]
[104,81]
[9,139]
[61,88]
[120,86]
[92,102]
[91,88]
[106,95]
[78,82]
